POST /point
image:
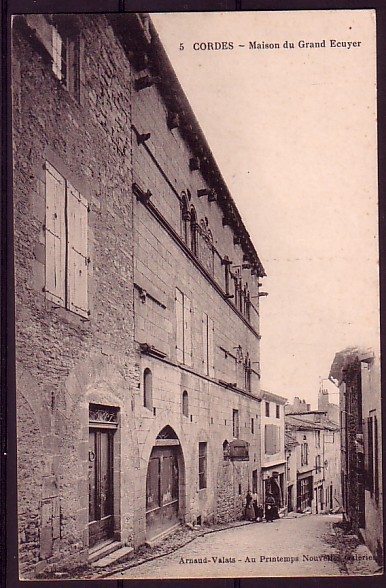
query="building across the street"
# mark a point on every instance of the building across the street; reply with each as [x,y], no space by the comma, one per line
[273,460]
[137,300]
[357,373]
[313,436]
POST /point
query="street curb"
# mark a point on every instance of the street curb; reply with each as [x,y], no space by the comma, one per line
[152,558]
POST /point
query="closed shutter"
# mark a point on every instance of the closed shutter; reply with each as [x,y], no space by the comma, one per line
[55,236]
[57,45]
[77,212]
[205,342]
[187,331]
[269,440]
[211,347]
[179,325]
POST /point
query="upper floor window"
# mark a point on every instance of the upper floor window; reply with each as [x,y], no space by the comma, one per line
[183,328]
[185,218]
[207,344]
[278,411]
[272,439]
[185,403]
[317,438]
[252,426]
[304,452]
[66,48]
[267,409]
[148,388]
[318,467]
[193,230]
[67,259]
[247,373]
[236,424]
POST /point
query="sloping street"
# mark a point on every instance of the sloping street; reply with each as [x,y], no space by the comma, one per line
[288,547]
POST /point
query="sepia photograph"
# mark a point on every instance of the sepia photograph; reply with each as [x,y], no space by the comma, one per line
[196,266]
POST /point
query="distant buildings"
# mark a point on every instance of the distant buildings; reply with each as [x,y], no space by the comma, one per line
[313,451]
[357,373]
[273,461]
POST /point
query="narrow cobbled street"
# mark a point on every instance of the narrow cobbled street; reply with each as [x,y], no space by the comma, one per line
[303,546]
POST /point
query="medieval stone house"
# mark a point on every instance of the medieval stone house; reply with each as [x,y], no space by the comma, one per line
[137,337]
[357,373]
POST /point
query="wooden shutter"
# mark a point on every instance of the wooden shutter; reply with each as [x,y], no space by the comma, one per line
[187,331]
[77,221]
[180,325]
[205,342]
[210,347]
[57,44]
[269,439]
[55,236]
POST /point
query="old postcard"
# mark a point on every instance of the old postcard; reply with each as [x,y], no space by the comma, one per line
[197,295]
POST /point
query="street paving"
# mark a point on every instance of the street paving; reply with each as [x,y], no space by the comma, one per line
[286,547]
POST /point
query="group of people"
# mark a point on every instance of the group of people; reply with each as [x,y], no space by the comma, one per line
[255,511]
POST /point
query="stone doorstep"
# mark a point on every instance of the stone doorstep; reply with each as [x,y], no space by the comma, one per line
[155,540]
[114,557]
[102,550]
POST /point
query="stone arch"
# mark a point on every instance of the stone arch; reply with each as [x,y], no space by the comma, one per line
[165,483]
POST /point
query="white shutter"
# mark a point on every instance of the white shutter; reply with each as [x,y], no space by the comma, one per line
[77,221]
[269,440]
[211,347]
[187,331]
[179,325]
[55,236]
[205,342]
[57,53]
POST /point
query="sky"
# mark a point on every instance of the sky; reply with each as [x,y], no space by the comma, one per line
[293,132]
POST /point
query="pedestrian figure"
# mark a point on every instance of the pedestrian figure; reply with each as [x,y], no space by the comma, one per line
[270,506]
[254,502]
[249,510]
[259,513]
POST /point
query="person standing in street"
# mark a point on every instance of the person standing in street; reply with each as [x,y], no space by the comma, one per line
[270,506]
[249,510]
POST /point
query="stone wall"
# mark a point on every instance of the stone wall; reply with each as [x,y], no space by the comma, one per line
[64,361]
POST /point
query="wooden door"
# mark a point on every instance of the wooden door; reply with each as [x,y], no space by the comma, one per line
[162,491]
[101,519]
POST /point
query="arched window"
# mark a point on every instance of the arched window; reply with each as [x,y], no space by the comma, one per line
[226,263]
[247,373]
[185,403]
[147,388]
[185,215]
[226,450]
[193,230]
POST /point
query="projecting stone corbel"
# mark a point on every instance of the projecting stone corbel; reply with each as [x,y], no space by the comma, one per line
[194,164]
[142,196]
[173,120]
[146,82]
[142,138]
[212,196]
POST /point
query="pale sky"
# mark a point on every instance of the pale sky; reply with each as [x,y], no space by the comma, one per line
[294,134]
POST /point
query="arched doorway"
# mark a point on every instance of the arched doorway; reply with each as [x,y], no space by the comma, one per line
[163,483]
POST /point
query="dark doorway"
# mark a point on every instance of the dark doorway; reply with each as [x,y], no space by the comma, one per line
[162,490]
[101,519]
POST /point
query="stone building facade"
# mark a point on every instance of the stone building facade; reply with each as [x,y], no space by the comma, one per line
[357,373]
[137,336]
[273,459]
